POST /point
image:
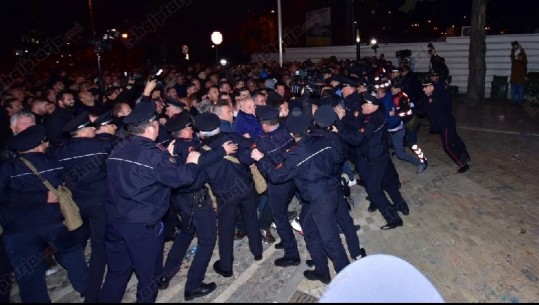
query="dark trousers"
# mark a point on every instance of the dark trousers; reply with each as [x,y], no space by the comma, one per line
[453,145]
[26,251]
[95,220]
[346,223]
[133,247]
[227,219]
[194,219]
[264,211]
[5,274]
[280,196]
[382,176]
[319,224]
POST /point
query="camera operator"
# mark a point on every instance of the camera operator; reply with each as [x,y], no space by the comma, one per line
[519,69]
[437,63]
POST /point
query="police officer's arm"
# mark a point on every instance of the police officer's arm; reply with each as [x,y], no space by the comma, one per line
[209,158]
[21,199]
[279,173]
[350,135]
[175,174]
[244,150]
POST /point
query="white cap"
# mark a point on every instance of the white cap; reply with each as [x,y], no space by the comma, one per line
[380,278]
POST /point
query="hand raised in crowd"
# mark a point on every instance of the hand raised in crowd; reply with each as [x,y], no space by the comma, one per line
[193,157]
[149,87]
[51,197]
[247,135]
[341,112]
[170,147]
[257,154]
[230,147]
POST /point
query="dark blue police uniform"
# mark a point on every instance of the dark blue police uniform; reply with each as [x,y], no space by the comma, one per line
[381,171]
[197,216]
[274,145]
[233,186]
[84,162]
[31,224]
[54,124]
[314,164]
[139,181]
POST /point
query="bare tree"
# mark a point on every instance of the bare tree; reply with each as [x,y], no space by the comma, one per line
[477,67]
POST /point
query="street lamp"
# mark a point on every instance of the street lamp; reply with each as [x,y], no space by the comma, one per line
[374,46]
[217,39]
[358,43]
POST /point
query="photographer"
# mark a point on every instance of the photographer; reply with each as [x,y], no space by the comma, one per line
[437,63]
[519,69]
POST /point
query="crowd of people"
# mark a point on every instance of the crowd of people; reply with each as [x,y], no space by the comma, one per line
[213,152]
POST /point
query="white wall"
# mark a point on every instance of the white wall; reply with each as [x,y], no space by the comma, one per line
[455,51]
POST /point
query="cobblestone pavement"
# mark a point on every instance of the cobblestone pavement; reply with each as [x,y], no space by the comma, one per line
[474,235]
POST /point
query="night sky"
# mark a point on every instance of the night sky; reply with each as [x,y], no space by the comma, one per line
[197,19]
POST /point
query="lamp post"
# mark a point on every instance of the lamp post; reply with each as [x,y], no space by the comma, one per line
[358,43]
[374,46]
[217,39]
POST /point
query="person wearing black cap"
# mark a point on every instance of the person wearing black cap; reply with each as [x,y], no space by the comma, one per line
[411,84]
[105,127]
[84,160]
[441,119]
[381,173]
[32,220]
[232,184]
[325,119]
[196,212]
[351,96]
[140,176]
[314,164]
[173,107]
[274,143]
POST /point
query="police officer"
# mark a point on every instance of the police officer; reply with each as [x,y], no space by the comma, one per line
[84,160]
[105,127]
[382,175]
[437,108]
[315,164]
[274,143]
[139,181]
[5,274]
[32,220]
[196,211]
[233,186]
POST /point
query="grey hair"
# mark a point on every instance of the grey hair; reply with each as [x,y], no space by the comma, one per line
[21,114]
[208,134]
[204,106]
[138,129]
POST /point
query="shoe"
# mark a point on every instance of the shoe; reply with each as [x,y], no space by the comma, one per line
[352,183]
[287,262]
[51,271]
[296,226]
[393,225]
[163,283]
[309,262]
[292,215]
[222,272]
[279,246]
[267,236]
[421,168]
[362,254]
[201,291]
[313,275]
[464,169]
[240,234]
[372,208]
[273,225]
[405,212]
[258,257]
[358,227]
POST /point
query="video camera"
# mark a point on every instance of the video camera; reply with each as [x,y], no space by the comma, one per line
[158,78]
[304,81]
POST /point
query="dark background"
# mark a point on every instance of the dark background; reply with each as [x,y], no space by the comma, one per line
[247,26]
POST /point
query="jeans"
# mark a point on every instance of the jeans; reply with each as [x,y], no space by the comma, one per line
[517,94]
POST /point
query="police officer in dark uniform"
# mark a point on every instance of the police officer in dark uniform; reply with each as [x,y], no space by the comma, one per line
[233,186]
[315,164]
[5,273]
[196,210]
[382,175]
[32,220]
[139,181]
[84,160]
[438,108]
[325,119]
[274,143]
[105,128]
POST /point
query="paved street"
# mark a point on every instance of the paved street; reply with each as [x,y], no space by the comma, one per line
[474,235]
